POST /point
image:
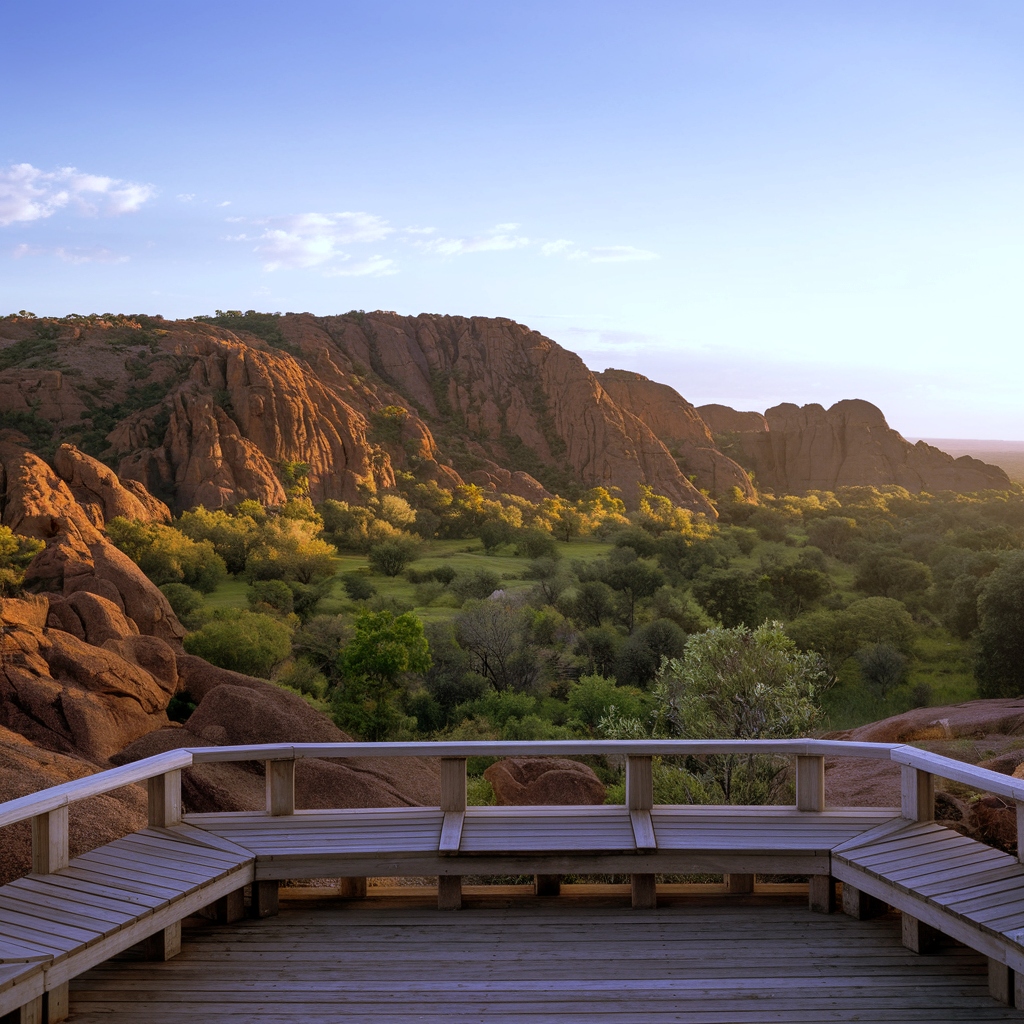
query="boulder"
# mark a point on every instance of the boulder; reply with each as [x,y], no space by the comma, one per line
[101,619]
[974,718]
[71,697]
[26,768]
[522,781]
[97,489]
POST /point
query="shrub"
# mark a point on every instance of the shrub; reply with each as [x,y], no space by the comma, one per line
[357,586]
[594,697]
[391,557]
[271,595]
[479,583]
[186,603]
[167,556]
[247,642]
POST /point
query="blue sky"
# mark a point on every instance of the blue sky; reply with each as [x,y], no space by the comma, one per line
[753,201]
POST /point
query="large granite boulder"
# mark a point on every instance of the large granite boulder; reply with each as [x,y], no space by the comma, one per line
[521,781]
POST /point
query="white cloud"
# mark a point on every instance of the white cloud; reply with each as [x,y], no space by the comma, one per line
[76,255]
[620,254]
[420,231]
[227,202]
[28,194]
[312,239]
[599,254]
[375,266]
[185,197]
[500,237]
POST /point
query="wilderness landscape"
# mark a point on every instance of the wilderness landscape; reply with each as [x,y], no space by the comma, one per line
[249,527]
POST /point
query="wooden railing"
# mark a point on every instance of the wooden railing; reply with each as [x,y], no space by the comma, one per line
[48,809]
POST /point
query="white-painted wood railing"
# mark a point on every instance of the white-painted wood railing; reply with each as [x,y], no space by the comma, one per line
[48,808]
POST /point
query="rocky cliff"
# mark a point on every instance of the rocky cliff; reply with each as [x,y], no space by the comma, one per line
[92,657]
[792,449]
[202,414]
[211,411]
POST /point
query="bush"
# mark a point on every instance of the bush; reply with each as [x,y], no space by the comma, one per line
[167,556]
[1000,639]
[288,549]
[304,677]
[479,583]
[391,557]
[882,666]
[357,586]
[594,697]
[247,642]
[271,595]
[536,543]
[186,603]
[15,554]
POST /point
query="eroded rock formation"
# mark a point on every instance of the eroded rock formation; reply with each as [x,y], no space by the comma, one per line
[792,449]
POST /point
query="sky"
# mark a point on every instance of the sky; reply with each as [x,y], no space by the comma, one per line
[752,201]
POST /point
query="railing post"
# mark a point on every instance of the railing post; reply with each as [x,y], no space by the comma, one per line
[639,802]
[1020,830]
[917,803]
[281,787]
[453,801]
[917,792]
[50,841]
[164,799]
[810,796]
[810,782]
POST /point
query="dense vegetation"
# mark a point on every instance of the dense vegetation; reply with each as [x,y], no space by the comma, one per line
[429,613]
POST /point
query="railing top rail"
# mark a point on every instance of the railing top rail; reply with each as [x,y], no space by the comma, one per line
[139,771]
[92,785]
[543,748]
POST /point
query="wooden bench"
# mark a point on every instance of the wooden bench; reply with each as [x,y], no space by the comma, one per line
[69,915]
[941,881]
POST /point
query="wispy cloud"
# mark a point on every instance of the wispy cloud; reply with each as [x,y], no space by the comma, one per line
[28,194]
[75,254]
[500,237]
[375,266]
[313,239]
[597,254]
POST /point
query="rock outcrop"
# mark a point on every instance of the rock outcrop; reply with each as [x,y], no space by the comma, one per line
[679,425]
[811,448]
[535,781]
[101,494]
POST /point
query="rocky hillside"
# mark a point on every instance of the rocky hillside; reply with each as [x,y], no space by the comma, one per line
[90,663]
[792,449]
[212,410]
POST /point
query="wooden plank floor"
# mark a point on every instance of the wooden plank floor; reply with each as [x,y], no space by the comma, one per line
[395,960]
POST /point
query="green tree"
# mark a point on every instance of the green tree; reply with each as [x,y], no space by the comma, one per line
[1000,638]
[383,649]
[247,642]
[739,684]
[733,596]
[392,556]
[15,554]
[594,697]
[167,556]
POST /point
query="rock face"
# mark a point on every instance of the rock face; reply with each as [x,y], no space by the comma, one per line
[850,444]
[26,768]
[533,781]
[228,409]
[101,494]
[679,425]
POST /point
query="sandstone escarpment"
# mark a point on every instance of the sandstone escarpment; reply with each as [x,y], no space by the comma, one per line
[850,444]
[679,425]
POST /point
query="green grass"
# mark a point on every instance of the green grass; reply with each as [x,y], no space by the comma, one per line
[461,555]
[232,593]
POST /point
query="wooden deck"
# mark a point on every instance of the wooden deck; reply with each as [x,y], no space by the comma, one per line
[394,960]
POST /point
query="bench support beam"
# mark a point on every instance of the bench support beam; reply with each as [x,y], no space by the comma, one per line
[164,944]
[860,905]
[265,899]
[352,888]
[227,909]
[29,1013]
[1000,982]
[821,894]
[738,884]
[644,892]
[547,885]
[56,1004]
[449,892]
[918,936]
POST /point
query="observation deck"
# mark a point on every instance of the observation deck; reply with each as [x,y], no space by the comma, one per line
[99,937]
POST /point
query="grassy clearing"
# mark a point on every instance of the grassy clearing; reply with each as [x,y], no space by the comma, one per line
[464,556]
